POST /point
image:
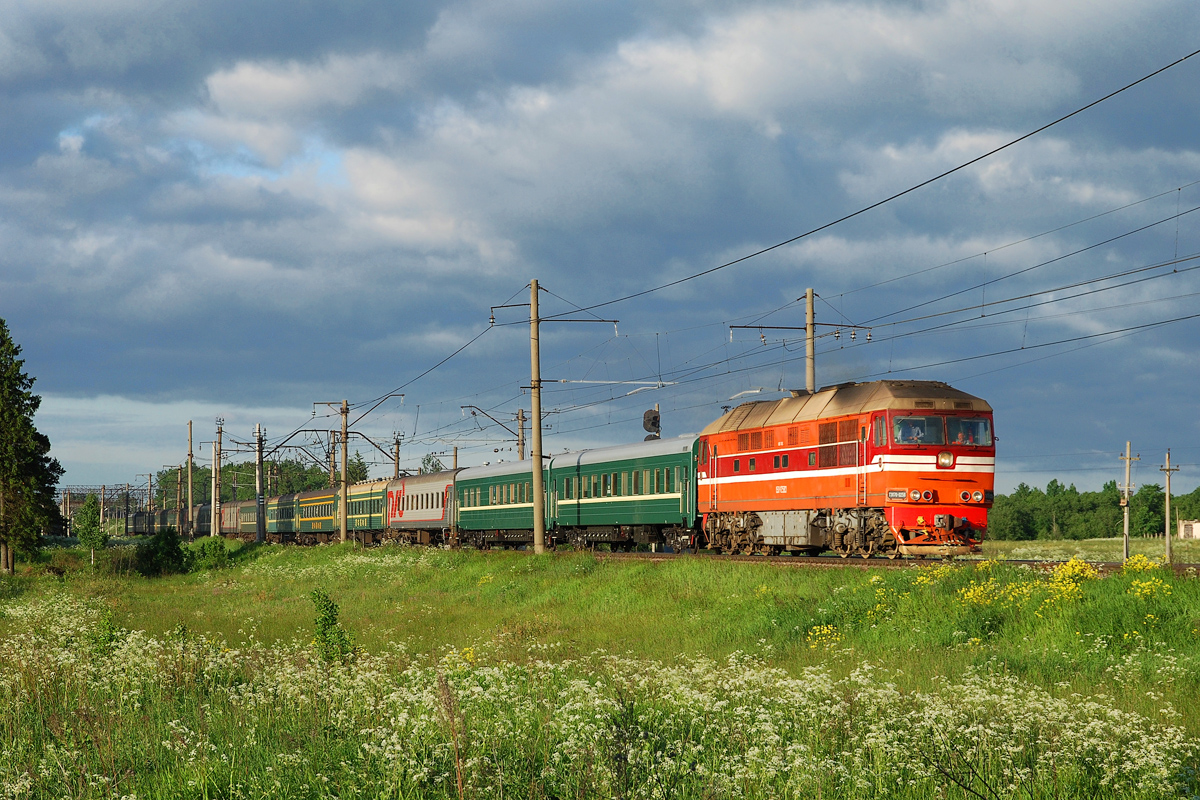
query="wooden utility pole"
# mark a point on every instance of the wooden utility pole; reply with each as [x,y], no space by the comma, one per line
[1168,469]
[520,434]
[345,495]
[215,524]
[1125,490]
[260,522]
[810,342]
[191,523]
[535,390]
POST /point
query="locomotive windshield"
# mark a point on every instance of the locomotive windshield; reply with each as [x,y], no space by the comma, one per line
[918,430]
[969,431]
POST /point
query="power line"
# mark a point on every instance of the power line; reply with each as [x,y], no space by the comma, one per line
[895,196]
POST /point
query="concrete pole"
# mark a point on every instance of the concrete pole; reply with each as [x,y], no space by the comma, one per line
[520,434]
[1128,459]
[332,456]
[179,498]
[191,507]
[103,492]
[810,343]
[345,487]
[396,458]
[260,507]
[535,390]
[453,510]
[1167,527]
[215,526]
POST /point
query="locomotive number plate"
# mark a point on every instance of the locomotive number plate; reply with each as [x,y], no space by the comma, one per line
[780,490]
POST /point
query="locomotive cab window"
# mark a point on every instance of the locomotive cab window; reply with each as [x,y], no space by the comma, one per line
[918,430]
[969,431]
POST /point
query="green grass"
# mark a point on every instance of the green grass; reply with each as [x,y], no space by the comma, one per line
[684,639]
[1108,549]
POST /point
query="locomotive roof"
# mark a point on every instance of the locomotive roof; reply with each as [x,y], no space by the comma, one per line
[844,399]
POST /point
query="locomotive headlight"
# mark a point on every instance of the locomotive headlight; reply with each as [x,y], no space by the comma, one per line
[946,460]
[915,494]
[977,497]
[926,495]
[964,495]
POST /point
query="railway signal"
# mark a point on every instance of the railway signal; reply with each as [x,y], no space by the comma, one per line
[651,423]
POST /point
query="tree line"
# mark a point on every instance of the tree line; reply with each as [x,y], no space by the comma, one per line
[1064,512]
[285,476]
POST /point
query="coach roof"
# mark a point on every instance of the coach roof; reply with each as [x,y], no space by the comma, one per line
[844,399]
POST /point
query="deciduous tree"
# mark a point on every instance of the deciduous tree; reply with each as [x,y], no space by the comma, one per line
[86,526]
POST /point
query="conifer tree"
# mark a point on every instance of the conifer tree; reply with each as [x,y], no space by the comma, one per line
[28,474]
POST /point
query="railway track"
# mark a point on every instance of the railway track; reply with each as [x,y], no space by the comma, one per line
[834,562]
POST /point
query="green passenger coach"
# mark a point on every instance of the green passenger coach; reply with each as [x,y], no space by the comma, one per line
[626,495]
[495,503]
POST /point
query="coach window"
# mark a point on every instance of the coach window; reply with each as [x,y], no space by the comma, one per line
[752,465]
[812,458]
[528,491]
[670,484]
[605,486]
[737,465]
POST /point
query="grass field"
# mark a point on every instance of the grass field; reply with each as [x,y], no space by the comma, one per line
[1110,550]
[500,674]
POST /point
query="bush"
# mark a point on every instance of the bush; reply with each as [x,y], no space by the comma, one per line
[331,639]
[209,553]
[162,555]
[121,560]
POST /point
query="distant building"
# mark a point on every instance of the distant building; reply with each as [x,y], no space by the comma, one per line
[1189,528]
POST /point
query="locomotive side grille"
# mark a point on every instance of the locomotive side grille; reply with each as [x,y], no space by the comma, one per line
[827,455]
[756,440]
[743,442]
[793,438]
[848,451]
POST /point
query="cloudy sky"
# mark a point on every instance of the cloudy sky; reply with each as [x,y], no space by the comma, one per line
[227,209]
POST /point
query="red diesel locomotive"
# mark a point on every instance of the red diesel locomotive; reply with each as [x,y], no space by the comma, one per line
[891,467]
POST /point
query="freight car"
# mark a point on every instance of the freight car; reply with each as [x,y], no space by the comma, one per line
[886,467]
